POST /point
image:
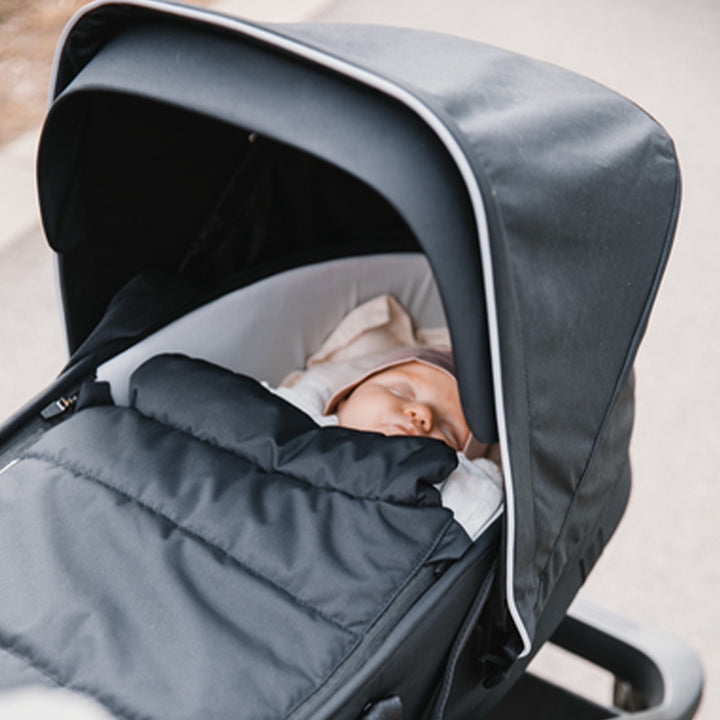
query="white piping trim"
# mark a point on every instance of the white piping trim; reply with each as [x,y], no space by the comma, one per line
[15,461]
[457,154]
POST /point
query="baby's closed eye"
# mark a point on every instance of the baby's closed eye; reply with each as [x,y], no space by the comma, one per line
[403,391]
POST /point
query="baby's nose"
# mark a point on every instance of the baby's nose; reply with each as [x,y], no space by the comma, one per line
[421,415]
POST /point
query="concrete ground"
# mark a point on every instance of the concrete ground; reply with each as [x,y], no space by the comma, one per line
[663,565]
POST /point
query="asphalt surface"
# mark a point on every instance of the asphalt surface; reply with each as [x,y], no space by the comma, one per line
[663,565]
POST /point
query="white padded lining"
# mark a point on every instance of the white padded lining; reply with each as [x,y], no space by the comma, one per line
[268,329]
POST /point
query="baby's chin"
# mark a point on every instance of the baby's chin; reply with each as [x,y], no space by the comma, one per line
[391,430]
[387,429]
[397,430]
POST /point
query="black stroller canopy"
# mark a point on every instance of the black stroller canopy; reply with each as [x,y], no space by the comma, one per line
[546,205]
[146,156]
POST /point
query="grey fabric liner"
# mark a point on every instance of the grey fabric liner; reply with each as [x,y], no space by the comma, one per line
[268,329]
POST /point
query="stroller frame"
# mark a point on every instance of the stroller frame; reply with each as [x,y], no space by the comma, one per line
[657,675]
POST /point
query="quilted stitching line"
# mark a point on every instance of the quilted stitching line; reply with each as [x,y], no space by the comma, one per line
[213,442]
[79,471]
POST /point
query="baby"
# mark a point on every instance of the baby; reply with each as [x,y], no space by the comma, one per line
[414,392]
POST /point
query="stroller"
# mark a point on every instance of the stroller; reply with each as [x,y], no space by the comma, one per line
[228,191]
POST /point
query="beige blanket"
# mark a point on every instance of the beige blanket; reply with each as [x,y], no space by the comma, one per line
[362,339]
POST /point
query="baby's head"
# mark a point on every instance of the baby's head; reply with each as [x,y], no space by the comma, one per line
[412,392]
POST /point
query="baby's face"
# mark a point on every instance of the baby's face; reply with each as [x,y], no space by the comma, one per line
[408,399]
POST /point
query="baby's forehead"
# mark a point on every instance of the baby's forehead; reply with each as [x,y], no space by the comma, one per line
[407,367]
[414,370]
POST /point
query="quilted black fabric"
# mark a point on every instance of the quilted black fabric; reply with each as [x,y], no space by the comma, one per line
[210,548]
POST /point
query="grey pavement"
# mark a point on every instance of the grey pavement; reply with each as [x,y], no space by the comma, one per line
[663,565]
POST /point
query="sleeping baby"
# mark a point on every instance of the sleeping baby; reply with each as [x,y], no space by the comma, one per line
[407,391]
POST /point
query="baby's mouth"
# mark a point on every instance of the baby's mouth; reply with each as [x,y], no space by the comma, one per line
[400,429]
